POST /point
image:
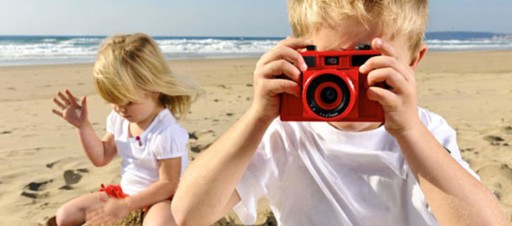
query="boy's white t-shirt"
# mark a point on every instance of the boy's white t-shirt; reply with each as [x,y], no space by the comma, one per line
[314,174]
[163,139]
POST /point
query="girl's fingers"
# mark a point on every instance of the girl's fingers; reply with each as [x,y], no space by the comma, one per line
[58,103]
[58,113]
[83,102]
[64,98]
[72,99]
[95,217]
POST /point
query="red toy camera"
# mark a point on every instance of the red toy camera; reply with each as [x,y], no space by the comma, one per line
[333,89]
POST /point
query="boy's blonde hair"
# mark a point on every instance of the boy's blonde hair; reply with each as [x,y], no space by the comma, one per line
[128,64]
[396,17]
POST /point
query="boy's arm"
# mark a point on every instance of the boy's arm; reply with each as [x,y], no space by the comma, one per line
[209,183]
[207,189]
[456,197]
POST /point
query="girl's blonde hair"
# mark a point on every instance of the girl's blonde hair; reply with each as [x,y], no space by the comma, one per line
[128,64]
[396,17]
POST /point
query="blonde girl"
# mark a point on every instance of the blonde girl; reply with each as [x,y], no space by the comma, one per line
[131,74]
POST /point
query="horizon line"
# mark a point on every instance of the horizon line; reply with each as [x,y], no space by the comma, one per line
[221,36]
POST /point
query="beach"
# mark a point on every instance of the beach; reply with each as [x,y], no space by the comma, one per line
[42,164]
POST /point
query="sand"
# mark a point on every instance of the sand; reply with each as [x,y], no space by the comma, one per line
[42,164]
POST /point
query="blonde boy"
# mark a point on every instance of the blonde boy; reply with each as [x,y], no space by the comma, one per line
[406,171]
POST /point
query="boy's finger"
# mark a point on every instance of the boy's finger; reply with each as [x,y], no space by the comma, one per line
[379,62]
[280,68]
[279,86]
[388,76]
[296,43]
[385,97]
[284,52]
[384,48]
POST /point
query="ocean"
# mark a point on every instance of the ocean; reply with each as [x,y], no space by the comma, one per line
[38,50]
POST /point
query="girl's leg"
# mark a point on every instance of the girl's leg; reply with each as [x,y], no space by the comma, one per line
[73,212]
[159,214]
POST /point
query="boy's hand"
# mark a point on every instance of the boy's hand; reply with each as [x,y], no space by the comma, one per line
[399,98]
[72,112]
[278,71]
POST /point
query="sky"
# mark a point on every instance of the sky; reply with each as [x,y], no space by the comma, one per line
[249,18]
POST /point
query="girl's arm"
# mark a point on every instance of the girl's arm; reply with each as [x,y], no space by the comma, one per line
[100,152]
[164,188]
[115,209]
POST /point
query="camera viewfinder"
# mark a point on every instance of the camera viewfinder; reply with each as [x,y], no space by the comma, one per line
[331,60]
[358,60]
[310,61]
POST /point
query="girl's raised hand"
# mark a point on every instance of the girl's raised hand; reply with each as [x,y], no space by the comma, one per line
[70,110]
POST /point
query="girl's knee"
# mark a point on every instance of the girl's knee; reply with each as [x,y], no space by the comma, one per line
[159,222]
[62,216]
[73,212]
[159,214]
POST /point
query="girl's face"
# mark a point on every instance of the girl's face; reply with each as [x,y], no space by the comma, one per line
[141,111]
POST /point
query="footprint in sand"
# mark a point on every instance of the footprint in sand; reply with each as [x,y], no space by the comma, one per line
[72,177]
[494,140]
[192,136]
[201,140]
[199,147]
[498,177]
[34,190]
[508,130]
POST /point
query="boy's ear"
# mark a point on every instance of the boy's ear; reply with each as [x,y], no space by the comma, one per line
[417,58]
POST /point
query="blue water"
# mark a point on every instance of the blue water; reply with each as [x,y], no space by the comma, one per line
[28,50]
[457,41]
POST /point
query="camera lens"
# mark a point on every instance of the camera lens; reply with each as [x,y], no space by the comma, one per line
[327,95]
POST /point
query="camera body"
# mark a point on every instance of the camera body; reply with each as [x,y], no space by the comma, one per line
[333,89]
